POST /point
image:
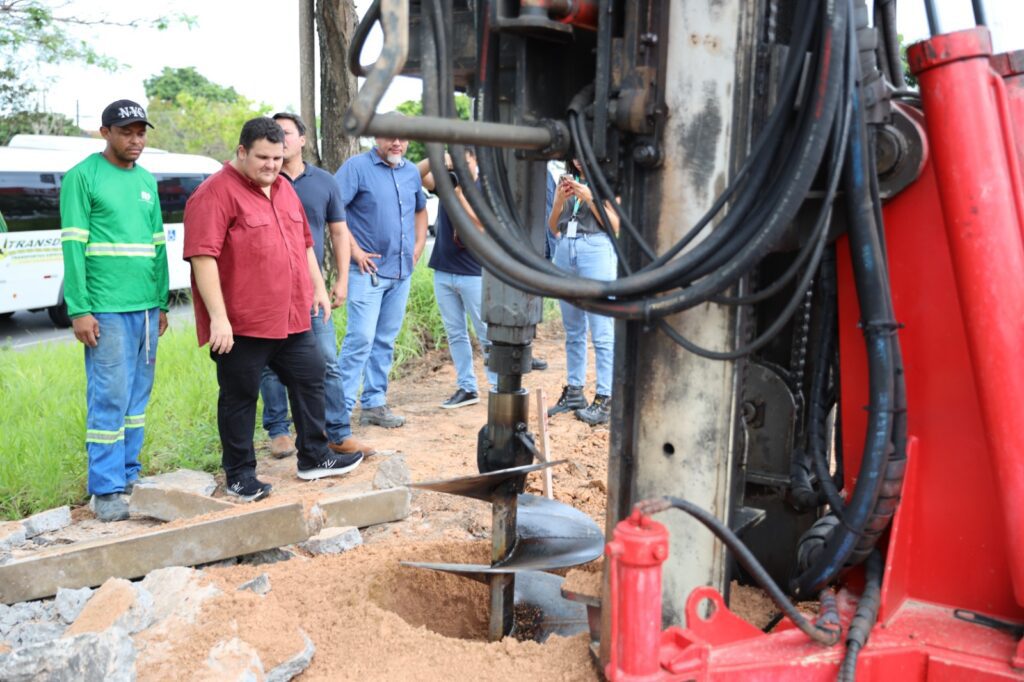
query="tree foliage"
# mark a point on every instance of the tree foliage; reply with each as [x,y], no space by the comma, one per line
[413,107]
[170,83]
[42,31]
[36,123]
[196,125]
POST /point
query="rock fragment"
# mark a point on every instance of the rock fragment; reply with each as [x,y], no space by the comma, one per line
[333,541]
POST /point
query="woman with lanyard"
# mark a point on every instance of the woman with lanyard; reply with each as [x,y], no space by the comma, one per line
[584,248]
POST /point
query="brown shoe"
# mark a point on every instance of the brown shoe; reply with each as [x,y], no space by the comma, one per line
[351,446]
[282,446]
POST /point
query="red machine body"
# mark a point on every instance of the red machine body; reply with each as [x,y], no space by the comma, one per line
[956,544]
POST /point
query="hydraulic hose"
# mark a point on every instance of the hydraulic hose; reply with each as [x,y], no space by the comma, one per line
[826,630]
[819,405]
[878,328]
[864,618]
[557,284]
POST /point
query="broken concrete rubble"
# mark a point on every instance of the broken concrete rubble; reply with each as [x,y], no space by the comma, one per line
[47,521]
[108,655]
[294,665]
[12,535]
[260,584]
[393,472]
[178,591]
[235,660]
[333,541]
[118,603]
[69,603]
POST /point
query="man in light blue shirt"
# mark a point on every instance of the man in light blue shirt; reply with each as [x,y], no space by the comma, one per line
[385,212]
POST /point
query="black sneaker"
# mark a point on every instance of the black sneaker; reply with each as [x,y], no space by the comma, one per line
[334,465]
[248,489]
[461,398]
[572,399]
[597,412]
[538,364]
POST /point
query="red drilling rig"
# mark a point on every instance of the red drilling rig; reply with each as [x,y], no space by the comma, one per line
[820,310]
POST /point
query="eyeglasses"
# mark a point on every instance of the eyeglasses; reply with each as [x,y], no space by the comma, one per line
[390,139]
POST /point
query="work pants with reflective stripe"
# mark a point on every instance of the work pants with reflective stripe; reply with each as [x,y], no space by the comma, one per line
[119,374]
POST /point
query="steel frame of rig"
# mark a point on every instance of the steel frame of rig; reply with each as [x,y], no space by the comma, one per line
[820,311]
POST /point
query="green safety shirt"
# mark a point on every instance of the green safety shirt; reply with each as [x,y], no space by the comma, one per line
[112,236]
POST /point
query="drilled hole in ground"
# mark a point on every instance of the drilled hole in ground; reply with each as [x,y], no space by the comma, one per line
[441,602]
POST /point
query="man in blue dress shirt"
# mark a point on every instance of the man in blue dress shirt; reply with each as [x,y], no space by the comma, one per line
[385,212]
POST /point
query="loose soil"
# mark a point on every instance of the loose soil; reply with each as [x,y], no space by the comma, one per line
[371,618]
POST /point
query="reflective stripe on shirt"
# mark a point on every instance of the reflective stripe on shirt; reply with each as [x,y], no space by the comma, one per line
[74,234]
[111,249]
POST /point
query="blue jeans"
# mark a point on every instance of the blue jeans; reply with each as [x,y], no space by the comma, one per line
[119,377]
[375,315]
[275,397]
[458,296]
[589,255]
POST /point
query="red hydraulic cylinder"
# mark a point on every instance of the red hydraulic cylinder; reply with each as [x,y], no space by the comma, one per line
[638,549]
[1010,65]
[970,134]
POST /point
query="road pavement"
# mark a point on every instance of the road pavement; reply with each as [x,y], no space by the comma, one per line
[27,330]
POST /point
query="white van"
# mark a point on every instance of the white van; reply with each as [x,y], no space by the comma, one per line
[31,263]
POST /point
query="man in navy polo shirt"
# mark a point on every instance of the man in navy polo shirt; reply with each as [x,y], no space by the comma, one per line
[457,288]
[321,200]
[385,211]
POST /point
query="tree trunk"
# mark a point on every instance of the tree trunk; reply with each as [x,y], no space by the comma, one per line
[336,21]
[307,79]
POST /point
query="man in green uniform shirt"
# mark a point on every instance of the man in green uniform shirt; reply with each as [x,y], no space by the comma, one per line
[115,286]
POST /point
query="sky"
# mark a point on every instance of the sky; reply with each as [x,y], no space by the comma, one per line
[253,47]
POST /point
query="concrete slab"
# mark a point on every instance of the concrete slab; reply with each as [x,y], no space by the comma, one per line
[363,509]
[171,504]
[189,480]
[91,563]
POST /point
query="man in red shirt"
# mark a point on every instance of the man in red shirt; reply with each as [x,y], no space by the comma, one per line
[255,279]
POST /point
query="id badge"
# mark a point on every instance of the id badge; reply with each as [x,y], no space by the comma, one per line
[570,229]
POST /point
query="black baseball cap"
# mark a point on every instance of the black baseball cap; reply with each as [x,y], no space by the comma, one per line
[124,112]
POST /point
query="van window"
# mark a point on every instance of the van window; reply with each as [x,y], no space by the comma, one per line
[29,201]
[174,191]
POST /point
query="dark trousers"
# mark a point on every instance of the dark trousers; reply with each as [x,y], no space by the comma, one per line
[297,361]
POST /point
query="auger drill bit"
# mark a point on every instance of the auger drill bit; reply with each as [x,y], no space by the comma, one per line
[530,535]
